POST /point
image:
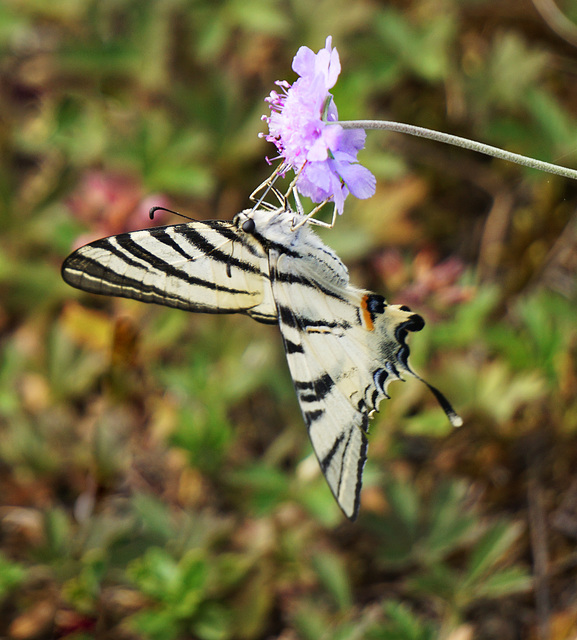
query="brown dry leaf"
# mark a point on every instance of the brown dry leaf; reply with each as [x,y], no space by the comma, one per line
[192,488]
[373,500]
[564,625]
[36,620]
[125,352]
[23,525]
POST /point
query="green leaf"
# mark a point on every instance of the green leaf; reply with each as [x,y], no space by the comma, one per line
[83,590]
[255,601]
[57,532]
[316,498]
[438,582]
[400,529]
[422,48]
[504,583]
[230,569]
[193,574]
[490,550]
[312,622]
[265,16]
[155,625]
[191,180]
[212,622]
[405,503]
[156,574]
[265,487]
[403,624]
[11,575]
[450,525]
[333,574]
[204,431]
[154,515]
[514,68]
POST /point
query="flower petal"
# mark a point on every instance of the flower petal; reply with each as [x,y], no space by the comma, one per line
[358,179]
[304,62]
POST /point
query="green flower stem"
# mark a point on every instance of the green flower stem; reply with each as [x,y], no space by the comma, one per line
[465,143]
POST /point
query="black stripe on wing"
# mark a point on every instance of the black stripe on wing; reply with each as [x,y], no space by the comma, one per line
[207,248]
[290,319]
[292,278]
[314,390]
[328,458]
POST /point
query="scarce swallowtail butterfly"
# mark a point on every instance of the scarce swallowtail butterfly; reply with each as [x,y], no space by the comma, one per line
[343,345]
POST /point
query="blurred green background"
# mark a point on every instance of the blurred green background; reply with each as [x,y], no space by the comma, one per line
[156,480]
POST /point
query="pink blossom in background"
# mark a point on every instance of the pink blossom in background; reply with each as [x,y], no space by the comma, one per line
[111,203]
[423,282]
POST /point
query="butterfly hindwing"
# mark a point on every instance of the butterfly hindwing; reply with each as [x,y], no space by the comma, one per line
[343,346]
[336,428]
[211,267]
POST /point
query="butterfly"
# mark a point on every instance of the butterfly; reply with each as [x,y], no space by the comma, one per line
[344,345]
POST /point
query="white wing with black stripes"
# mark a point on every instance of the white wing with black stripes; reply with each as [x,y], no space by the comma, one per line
[209,267]
[343,345]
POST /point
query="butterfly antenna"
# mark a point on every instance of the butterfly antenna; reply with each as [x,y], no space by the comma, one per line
[153,210]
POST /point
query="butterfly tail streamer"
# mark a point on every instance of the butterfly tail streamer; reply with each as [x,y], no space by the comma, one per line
[454,418]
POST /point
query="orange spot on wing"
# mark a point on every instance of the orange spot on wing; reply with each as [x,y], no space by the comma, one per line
[368,319]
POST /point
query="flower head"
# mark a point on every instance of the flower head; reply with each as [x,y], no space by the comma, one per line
[323,155]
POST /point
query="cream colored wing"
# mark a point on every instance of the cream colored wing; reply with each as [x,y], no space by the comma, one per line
[211,267]
[344,347]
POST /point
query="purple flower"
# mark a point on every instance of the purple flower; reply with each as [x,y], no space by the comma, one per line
[324,156]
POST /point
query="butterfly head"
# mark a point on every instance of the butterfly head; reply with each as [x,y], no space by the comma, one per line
[272,225]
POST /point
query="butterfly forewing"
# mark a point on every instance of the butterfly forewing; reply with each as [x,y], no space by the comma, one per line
[208,267]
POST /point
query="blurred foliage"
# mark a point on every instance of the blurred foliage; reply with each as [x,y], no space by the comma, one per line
[155,473]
